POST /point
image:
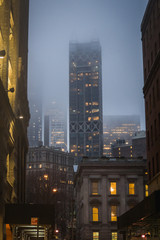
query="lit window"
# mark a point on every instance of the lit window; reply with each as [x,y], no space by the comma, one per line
[114,235]
[89,118]
[146,190]
[113,213]
[95,118]
[94,188]
[95,214]
[113,189]
[95,235]
[131,188]
[86,103]
[40,165]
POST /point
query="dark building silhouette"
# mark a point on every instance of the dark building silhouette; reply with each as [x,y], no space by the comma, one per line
[136,149]
[49,178]
[85,99]
[151,61]
[144,220]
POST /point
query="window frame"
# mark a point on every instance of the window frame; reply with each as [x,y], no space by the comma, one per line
[113,217]
[95,214]
[131,189]
[114,192]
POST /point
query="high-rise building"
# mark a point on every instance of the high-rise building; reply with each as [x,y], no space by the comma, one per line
[35,124]
[14,110]
[55,127]
[118,127]
[85,99]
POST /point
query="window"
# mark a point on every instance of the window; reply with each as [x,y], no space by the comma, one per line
[94,188]
[114,235]
[131,188]
[95,235]
[146,190]
[94,214]
[113,189]
[113,213]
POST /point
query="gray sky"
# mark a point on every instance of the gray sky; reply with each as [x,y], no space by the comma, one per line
[116,23]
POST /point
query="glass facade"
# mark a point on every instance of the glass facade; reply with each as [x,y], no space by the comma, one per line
[85,99]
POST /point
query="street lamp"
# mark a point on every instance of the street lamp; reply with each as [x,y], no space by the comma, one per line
[2,53]
[10,90]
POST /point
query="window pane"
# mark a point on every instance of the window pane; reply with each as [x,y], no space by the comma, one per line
[114,235]
[95,235]
[113,188]
[146,190]
[94,188]
[131,188]
[95,214]
[113,213]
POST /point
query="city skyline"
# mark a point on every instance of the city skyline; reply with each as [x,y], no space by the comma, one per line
[121,50]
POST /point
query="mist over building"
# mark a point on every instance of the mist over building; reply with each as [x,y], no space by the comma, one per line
[119,128]
[35,124]
[55,127]
[85,99]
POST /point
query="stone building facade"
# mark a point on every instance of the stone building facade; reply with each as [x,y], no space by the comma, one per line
[106,188]
[14,111]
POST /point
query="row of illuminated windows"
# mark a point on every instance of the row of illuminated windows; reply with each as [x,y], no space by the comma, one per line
[96,236]
[91,103]
[113,188]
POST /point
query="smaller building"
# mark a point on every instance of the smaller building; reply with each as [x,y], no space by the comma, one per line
[137,147]
[106,188]
[49,178]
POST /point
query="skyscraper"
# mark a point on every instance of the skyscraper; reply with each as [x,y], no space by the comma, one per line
[85,99]
[55,127]
[35,125]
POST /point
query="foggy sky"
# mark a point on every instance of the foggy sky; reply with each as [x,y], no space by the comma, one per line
[115,23]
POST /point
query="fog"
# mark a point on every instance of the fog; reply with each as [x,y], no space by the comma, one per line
[115,23]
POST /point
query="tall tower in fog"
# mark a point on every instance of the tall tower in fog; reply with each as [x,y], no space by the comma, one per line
[35,124]
[85,99]
[55,127]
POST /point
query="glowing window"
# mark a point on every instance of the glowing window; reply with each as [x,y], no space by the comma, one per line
[131,188]
[95,235]
[114,235]
[113,187]
[113,213]
[95,118]
[94,188]
[89,118]
[146,190]
[95,214]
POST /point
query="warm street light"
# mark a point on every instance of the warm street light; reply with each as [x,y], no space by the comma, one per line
[54,190]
